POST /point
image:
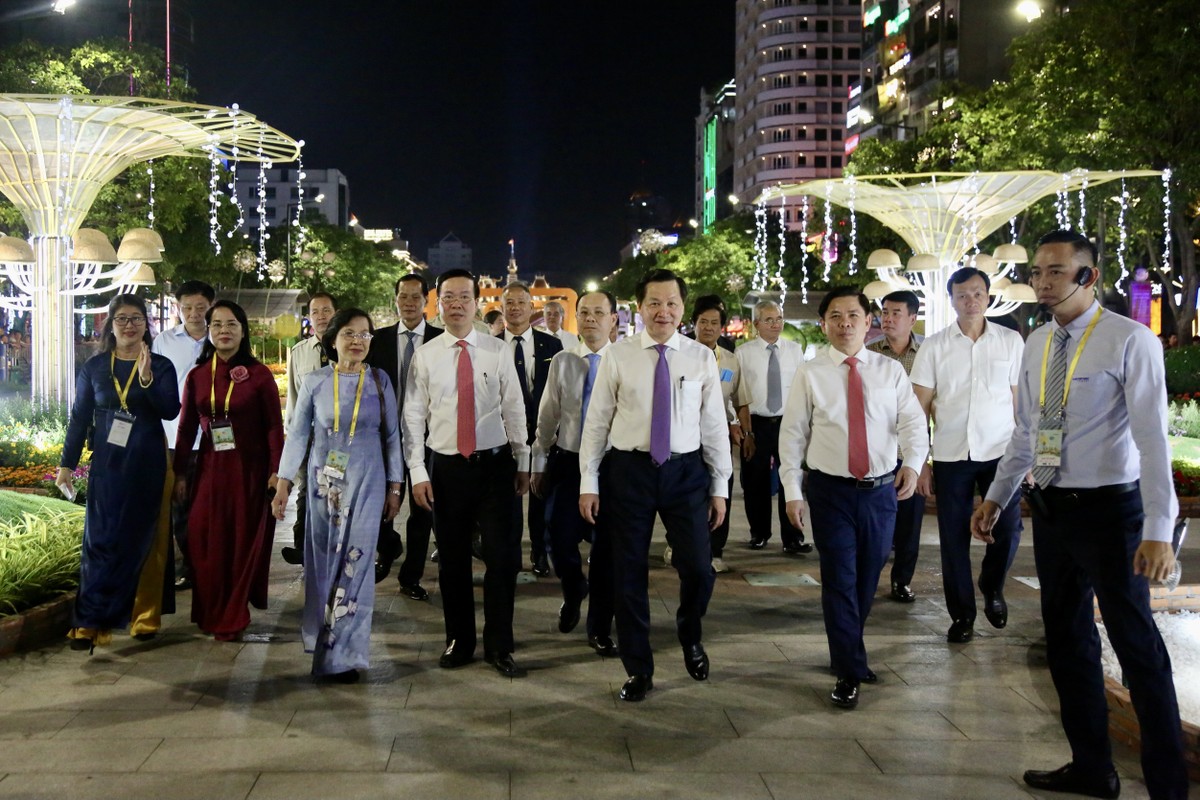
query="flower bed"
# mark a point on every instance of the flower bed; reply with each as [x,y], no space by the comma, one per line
[40,542]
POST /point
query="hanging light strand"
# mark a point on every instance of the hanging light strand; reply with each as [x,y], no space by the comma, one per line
[234,199]
[779,279]
[1083,206]
[263,224]
[827,246]
[1012,229]
[1166,183]
[1121,244]
[804,215]
[299,238]
[853,228]
[760,246]
[150,175]
[1062,209]
[214,171]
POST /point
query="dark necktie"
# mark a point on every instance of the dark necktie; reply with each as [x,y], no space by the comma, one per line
[1050,418]
[589,382]
[660,414]
[405,362]
[519,360]
[774,381]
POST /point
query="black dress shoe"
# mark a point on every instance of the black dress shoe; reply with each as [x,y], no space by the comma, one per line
[505,665]
[902,594]
[961,632]
[696,661]
[383,568]
[994,608]
[434,556]
[146,636]
[798,549]
[758,544]
[634,690]
[870,677]
[568,615]
[183,584]
[347,677]
[845,694]
[415,592]
[292,555]
[604,646]
[541,566]
[455,656]
[1069,779]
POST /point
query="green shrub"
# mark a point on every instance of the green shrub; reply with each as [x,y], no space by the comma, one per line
[15,505]
[1183,418]
[30,434]
[39,556]
[1183,369]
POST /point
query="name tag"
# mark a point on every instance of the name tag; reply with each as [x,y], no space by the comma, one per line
[122,426]
[1048,452]
[335,464]
[222,436]
[726,375]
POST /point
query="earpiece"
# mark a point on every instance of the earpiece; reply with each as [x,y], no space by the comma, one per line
[1083,276]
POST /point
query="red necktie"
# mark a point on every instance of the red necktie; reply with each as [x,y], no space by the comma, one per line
[466,402]
[860,461]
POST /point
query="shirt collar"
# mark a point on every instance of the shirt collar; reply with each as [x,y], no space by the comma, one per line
[864,355]
[449,340]
[583,351]
[526,335]
[419,330]
[1076,326]
[648,340]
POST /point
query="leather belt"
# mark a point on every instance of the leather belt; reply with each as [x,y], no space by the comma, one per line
[674,456]
[867,483]
[1074,495]
[481,455]
[770,420]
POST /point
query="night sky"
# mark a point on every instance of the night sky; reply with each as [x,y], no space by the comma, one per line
[497,120]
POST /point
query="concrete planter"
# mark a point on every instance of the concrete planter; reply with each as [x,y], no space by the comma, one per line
[36,626]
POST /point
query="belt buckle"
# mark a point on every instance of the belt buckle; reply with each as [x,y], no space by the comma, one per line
[866,483]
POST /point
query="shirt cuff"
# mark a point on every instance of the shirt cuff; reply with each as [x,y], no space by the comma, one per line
[1158,529]
[719,488]
[589,484]
[419,474]
[791,491]
[539,463]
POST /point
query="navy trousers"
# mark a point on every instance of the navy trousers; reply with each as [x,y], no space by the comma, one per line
[416,537]
[852,529]
[1084,549]
[632,491]
[536,517]
[759,475]
[565,530]
[956,483]
[906,540]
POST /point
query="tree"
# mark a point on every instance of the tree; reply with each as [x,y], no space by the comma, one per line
[363,273]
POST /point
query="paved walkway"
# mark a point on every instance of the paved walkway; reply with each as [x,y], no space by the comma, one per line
[186,717]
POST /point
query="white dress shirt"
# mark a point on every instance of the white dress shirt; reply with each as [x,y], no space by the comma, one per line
[816,428]
[754,357]
[560,416]
[1115,429]
[570,341]
[972,383]
[179,346]
[303,357]
[527,349]
[622,404]
[431,400]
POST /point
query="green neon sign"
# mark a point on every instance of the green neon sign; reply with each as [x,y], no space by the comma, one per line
[709,210]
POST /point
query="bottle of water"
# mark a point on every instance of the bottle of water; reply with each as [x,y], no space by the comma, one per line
[1177,538]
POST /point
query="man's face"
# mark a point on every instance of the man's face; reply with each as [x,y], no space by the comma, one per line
[456,298]
[553,317]
[1052,276]
[708,327]
[192,308]
[769,324]
[596,318]
[662,309]
[518,308]
[969,299]
[320,311]
[846,324]
[410,303]
[896,321]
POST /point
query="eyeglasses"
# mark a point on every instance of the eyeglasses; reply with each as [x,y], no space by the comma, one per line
[457,299]
[232,325]
[350,336]
[125,321]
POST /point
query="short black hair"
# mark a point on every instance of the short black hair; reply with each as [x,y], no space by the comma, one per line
[341,319]
[195,287]
[492,316]
[458,273]
[843,291]
[1078,242]
[660,276]
[709,302]
[412,276]
[964,274]
[108,340]
[317,295]
[244,356]
[905,296]
[612,300]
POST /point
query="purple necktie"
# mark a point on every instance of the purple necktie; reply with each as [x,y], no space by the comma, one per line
[660,415]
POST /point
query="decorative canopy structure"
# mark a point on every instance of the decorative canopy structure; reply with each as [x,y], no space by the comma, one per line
[58,151]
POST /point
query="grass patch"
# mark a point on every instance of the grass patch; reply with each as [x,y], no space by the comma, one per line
[40,543]
[1185,448]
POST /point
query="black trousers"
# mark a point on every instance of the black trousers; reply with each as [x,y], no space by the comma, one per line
[759,475]
[565,530]
[906,541]
[416,537]
[1083,549]
[469,494]
[182,563]
[632,491]
[536,519]
[720,534]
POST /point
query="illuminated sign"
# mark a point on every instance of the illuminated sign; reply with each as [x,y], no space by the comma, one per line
[708,211]
[851,144]
[852,116]
[899,65]
[872,15]
[855,91]
[378,234]
[895,25]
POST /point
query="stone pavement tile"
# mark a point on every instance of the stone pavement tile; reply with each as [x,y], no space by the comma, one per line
[652,754]
[269,755]
[911,757]
[511,754]
[32,724]
[1041,695]
[134,786]
[191,646]
[130,694]
[472,785]
[84,673]
[964,673]
[1014,650]
[301,691]
[831,723]
[623,785]
[991,724]
[629,719]
[908,653]
[197,723]
[47,755]
[900,698]
[377,724]
[840,786]
[480,686]
[724,653]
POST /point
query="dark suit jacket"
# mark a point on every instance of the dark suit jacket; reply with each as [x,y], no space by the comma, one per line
[544,348]
[385,350]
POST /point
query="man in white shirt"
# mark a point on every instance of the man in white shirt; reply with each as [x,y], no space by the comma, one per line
[1092,428]
[965,376]
[305,356]
[555,475]
[182,344]
[657,402]
[553,315]
[848,410]
[463,403]
[769,365]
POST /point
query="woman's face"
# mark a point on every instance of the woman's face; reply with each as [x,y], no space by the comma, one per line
[129,325]
[225,332]
[353,341]
[708,327]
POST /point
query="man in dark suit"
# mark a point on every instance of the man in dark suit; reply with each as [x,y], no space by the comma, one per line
[532,351]
[392,351]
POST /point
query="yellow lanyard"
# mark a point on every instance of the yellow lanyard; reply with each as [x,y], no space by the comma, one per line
[212,392]
[122,394]
[337,406]
[1071,369]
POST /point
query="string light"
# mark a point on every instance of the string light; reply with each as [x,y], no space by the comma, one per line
[1166,182]
[300,237]
[1083,206]
[827,243]
[804,215]
[1124,201]
[1062,207]
[972,210]
[214,195]
[853,228]
[1012,229]
[779,279]
[150,213]
[760,246]
[234,199]
[263,224]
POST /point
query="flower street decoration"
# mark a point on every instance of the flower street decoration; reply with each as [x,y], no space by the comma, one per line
[1166,187]
[244,261]
[1123,199]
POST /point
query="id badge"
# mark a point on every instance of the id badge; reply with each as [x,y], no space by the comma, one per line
[222,436]
[122,426]
[726,375]
[1049,449]
[335,464]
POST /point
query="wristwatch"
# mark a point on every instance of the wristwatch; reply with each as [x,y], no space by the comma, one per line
[396,492]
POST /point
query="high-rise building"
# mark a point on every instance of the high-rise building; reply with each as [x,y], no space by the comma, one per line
[326,191]
[449,253]
[796,63]
[715,132]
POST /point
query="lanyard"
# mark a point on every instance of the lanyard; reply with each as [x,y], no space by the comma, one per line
[122,394]
[212,392]
[1071,369]
[337,407]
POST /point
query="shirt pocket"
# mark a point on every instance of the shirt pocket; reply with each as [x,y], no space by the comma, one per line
[998,376]
[687,404]
[1090,396]
[881,405]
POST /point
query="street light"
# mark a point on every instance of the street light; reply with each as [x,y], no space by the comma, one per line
[61,6]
